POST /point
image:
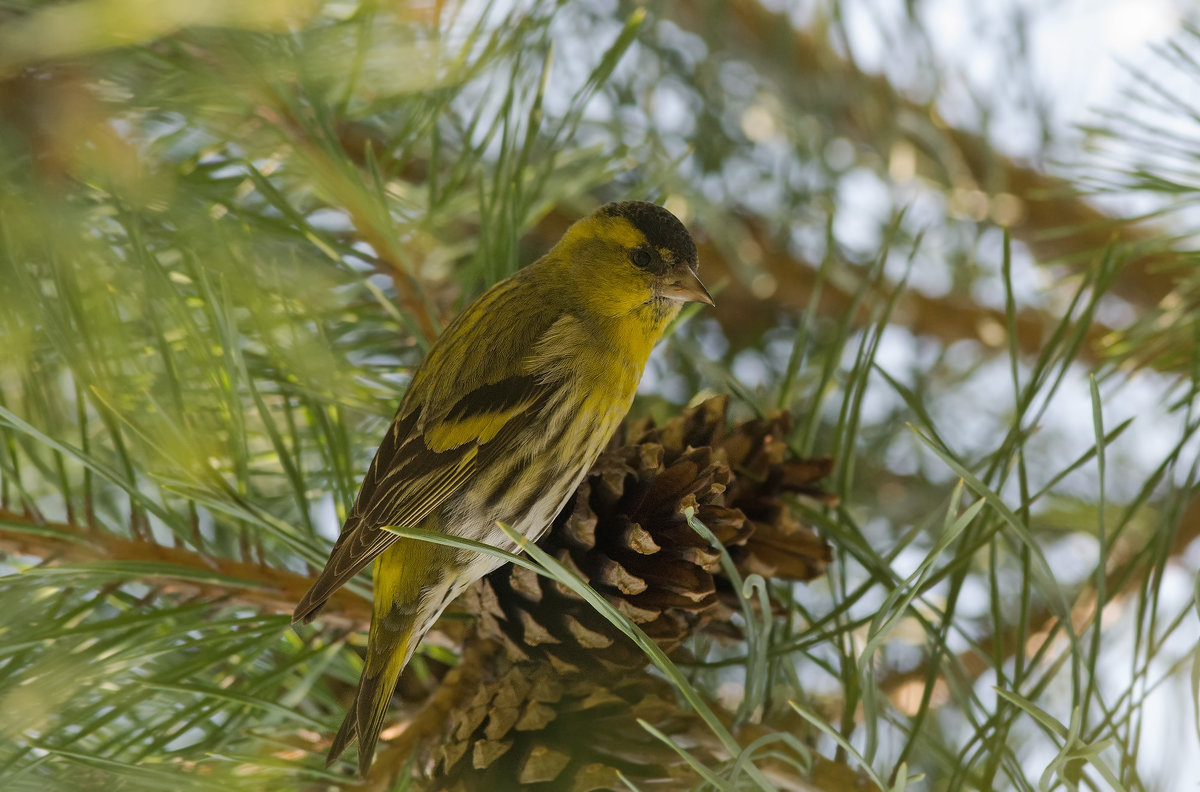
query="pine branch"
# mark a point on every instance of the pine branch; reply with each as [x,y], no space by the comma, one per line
[266,588]
[1056,224]
[1055,221]
[1128,569]
[372,222]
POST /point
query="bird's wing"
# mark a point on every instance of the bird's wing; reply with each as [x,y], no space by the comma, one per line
[418,467]
[468,402]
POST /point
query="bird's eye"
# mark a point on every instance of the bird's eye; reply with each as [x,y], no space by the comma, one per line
[641,258]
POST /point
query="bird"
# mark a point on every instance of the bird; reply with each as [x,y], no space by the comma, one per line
[499,424]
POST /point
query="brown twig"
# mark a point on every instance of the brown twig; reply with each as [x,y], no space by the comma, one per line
[1051,215]
[1046,213]
[268,589]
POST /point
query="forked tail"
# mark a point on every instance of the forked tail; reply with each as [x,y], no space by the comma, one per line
[413,583]
[391,644]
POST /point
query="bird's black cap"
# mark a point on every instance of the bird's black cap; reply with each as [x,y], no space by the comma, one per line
[661,228]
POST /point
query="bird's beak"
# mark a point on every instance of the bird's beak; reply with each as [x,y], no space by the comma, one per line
[685,287]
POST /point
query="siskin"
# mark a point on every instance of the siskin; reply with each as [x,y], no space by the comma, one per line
[500,423]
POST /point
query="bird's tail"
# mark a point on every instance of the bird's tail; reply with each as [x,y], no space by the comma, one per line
[364,720]
[406,605]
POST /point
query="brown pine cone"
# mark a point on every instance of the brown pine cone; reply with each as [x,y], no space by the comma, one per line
[626,534]
[495,725]
[529,727]
[780,546]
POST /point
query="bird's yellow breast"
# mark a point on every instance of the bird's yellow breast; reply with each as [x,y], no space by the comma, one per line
[605,355]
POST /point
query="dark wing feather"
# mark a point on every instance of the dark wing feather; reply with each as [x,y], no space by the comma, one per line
[409,479]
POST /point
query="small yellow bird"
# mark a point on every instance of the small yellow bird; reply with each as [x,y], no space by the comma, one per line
[501,421]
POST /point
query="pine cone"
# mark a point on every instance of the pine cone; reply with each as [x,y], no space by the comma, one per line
[626,534]
[495,725]
[529,727]
[780,546]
